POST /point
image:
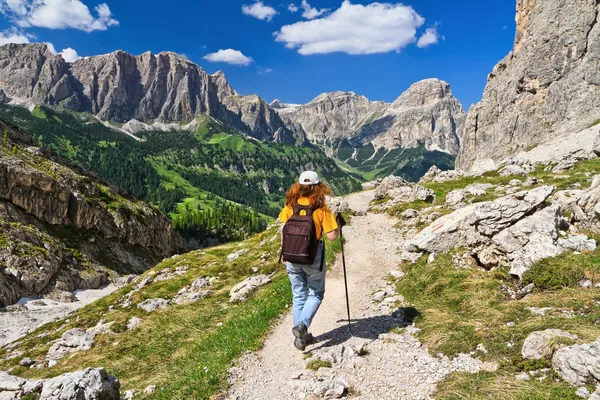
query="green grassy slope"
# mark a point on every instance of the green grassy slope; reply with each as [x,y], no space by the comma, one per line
[371,163]
[205,180]
[186,349]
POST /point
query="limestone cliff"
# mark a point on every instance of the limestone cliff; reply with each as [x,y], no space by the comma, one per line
[120,87]
[548,86]
[63,229]
[426,114]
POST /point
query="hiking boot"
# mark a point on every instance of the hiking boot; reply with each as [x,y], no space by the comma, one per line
[310,339]
[300,334]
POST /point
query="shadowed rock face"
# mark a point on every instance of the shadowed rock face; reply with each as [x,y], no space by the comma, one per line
[120,87]
[546,87]
[426,114]
[61,228]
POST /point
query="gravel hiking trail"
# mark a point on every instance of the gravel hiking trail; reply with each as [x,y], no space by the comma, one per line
[370,364]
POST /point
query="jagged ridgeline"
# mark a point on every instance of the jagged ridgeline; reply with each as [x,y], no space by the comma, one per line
[214,182]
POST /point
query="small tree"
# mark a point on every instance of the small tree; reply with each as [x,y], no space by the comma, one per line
[15,149]
[5,140]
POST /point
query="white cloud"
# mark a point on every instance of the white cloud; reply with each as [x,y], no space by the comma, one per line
[428,38]
[262,71]
[14,36]
[293,8]
[229,56]
[259,10]
[58,14]
[310,12]
[355,29]
[68,54]
[16,6]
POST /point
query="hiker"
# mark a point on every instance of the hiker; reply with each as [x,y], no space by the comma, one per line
[306,218]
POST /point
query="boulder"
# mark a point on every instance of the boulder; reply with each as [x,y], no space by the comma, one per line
[586,212]
[89,384]
[73,340]
[240,291]
[478,189]
[337,204]
[474,224]
[237,254]
[200,283]
[154,304]
[577,243]
[410,214]
[133,323]
[542,344]
[456,198]
[62,297]
[433,172]
[530,240]
[579,364]
[388,184]
[510,170]
[513,230]
[421,193]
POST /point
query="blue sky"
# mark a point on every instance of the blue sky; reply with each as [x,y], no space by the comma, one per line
[472,35]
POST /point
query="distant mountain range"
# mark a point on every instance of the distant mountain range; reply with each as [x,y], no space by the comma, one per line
[139,90]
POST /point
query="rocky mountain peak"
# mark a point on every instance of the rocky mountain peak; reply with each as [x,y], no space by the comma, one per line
[120,87]
[277,104]
[423,93]
[426,114]
[546,87]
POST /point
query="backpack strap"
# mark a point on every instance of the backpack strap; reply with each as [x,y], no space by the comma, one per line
[322,255]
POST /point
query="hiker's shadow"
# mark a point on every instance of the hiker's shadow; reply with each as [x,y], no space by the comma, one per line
[367,328]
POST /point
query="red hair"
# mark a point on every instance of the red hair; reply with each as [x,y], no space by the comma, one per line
[315,194]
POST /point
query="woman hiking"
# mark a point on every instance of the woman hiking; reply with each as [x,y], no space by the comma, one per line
[306,218]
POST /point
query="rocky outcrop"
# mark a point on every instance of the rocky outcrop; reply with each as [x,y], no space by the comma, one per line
[91,383]
[120,87]
[579,364]
[62,227]
[241,291]
[427,114]
[548,85]
[542,344]
[515,231]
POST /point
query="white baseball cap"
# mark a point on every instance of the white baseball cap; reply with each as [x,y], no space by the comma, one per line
[309,178]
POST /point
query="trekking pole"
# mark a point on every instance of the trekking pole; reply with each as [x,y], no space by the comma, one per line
[345,281]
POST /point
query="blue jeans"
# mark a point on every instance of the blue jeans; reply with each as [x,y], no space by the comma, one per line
[308,288]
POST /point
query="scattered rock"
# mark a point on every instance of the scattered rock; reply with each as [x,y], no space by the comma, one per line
[62,297]
[151,305]
[422,194]
[337,204]
[578,364]
[410,214]
[240,291]
[578,243]
[396,274]
[26,362]
[91,383]
[541,344]
[583,392]
[379,296]
[150,389]
[512,170]
[388,184]
[237,254]
[456,198]
[133,323]
[73,340]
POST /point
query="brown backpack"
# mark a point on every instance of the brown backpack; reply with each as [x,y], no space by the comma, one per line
[299,243]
